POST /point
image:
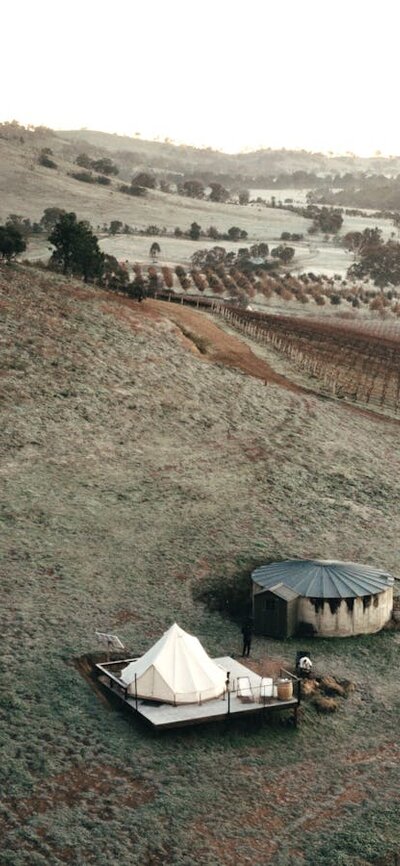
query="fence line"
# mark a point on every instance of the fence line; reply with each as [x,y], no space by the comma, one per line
[352,362]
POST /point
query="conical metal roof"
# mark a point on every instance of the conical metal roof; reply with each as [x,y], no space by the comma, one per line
[323,578]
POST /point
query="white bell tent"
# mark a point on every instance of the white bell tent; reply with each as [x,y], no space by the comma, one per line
[176,670]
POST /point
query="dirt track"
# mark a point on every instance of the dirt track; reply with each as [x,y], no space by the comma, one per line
[221,347]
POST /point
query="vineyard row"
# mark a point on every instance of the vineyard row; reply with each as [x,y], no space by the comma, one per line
[363,367]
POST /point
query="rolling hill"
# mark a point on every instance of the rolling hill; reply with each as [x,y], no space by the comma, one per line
[137,472]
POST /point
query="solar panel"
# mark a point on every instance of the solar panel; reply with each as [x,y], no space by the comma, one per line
[110,641]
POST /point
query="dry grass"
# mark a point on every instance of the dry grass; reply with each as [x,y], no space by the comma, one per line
[132,471]
[330,687]
[308,688]
[325,705]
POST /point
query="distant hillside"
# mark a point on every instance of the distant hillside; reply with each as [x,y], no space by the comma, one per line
[38,170]
[248,166]
[28,187]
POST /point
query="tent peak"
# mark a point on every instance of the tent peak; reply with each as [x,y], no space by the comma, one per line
[175,671]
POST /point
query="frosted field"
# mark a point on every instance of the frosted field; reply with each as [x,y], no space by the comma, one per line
[321,258]
[298,196]
[314,253]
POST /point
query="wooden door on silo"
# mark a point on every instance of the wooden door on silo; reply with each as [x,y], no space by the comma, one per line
[270,615]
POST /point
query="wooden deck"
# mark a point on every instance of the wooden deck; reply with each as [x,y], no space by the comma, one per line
[163,716]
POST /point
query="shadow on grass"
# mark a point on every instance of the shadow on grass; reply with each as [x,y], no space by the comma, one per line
[230,593]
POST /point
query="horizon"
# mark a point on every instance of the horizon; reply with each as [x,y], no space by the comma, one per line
[273,78]
[158,139]
[170,141]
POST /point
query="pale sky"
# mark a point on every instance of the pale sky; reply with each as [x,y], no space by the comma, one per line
[228,75]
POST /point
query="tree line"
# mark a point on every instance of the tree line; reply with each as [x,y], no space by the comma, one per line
[76,250]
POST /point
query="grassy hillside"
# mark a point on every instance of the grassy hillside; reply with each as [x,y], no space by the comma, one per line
[26,188]
[134,471]
[165,155]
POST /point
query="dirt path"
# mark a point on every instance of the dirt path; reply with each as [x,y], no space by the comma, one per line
[220,347]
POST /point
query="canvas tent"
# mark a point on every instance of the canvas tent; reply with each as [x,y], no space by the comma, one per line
[176,670]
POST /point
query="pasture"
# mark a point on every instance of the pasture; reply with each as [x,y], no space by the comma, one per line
[136,469]
[317,254]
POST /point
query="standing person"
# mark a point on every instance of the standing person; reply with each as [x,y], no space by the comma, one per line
[247,632]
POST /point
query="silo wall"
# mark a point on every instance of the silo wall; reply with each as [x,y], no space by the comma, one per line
[346,617]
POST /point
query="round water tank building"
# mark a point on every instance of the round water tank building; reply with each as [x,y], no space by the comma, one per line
[320,597]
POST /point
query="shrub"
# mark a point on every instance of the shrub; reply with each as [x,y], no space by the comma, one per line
[144,179]
[11,242]
[377,303]
[287,236]
[285,254]
[50,217]
[103,180]
[182,277]
[115,227]
[168,276]
[46,161]
[132,190]
[152,284]
[83,160]
[105,166]
[115,276]
[152,230]
[83,176]
[23,225]
[138,191]
[199,280]
[214,282]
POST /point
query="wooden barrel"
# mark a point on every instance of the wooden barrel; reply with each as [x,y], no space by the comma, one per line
[285,690]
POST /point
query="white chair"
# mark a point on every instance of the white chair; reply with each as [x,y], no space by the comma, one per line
[266,688]
[244,690]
